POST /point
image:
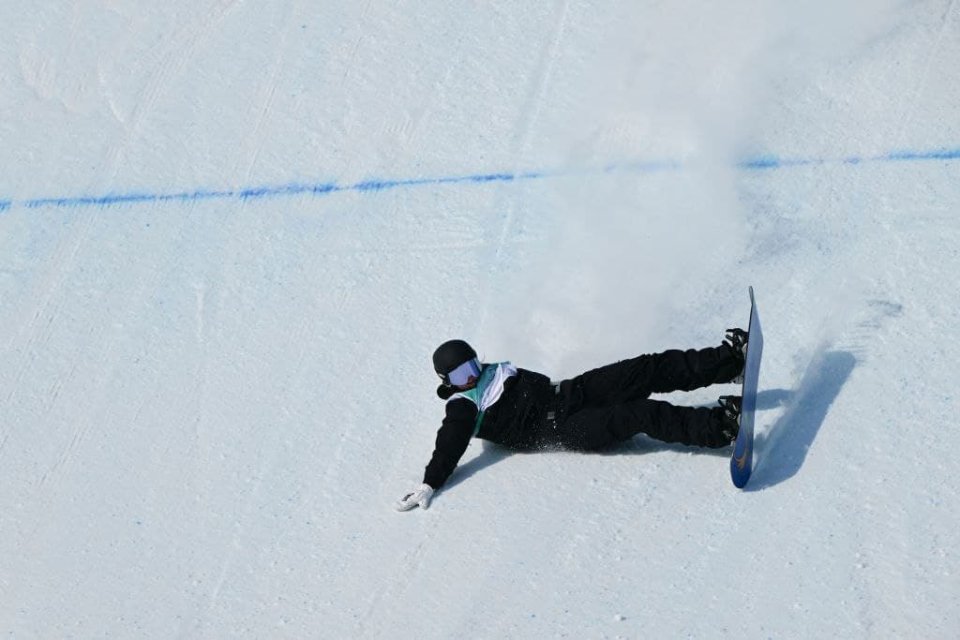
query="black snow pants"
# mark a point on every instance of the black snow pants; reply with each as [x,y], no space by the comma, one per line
[611,404]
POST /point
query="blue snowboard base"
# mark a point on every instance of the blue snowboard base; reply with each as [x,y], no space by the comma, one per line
[741,463]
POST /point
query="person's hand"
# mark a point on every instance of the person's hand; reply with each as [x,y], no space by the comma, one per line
[418,497]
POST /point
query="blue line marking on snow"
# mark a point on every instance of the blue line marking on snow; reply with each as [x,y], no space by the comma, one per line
[939,154]
[496,177]
[321,189]
[767,162]
[761,162]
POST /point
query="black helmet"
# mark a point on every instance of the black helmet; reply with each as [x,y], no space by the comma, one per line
[450,355]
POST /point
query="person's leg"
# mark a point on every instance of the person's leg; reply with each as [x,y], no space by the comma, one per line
[672,370]
[599,427]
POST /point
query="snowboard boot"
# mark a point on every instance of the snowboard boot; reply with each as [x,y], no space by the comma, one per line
[731,406]
[737,340]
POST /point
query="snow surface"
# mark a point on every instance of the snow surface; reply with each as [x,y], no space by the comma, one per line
[231,235]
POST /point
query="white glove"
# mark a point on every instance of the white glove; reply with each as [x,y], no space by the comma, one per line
[420,496]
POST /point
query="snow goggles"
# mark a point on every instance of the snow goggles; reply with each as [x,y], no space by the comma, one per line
[463,375]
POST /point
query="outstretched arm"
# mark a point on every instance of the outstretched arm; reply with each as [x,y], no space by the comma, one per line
[452,440]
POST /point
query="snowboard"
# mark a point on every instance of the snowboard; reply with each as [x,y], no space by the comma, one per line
[741,463]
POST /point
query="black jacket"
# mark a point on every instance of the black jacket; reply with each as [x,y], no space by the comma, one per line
[514,421]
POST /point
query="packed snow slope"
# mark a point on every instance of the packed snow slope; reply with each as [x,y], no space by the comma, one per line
[231,235]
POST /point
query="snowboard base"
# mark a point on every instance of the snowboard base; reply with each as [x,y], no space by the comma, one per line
[741,462]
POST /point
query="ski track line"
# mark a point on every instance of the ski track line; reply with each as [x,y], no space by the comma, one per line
[66,455]
[44,487]
[528,121]
[365,12]
[44,289]
[201,375]
[228,278]
[924,76]
[299,497]
[267,97]
[83,422]
[531,115]
[34,333]
[78,434]
[343,295]
[399,582]
[267,465]
[180,48]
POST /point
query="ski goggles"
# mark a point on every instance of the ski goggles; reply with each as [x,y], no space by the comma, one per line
[465,374]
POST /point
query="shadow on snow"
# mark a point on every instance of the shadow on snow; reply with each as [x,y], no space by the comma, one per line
[782,449]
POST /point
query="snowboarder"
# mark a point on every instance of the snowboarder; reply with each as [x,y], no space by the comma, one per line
[525,410]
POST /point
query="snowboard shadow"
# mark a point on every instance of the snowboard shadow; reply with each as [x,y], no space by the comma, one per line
[783,448]
[773,399]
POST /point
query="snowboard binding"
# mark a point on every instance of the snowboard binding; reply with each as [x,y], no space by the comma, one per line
[737,340]
[732,406]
